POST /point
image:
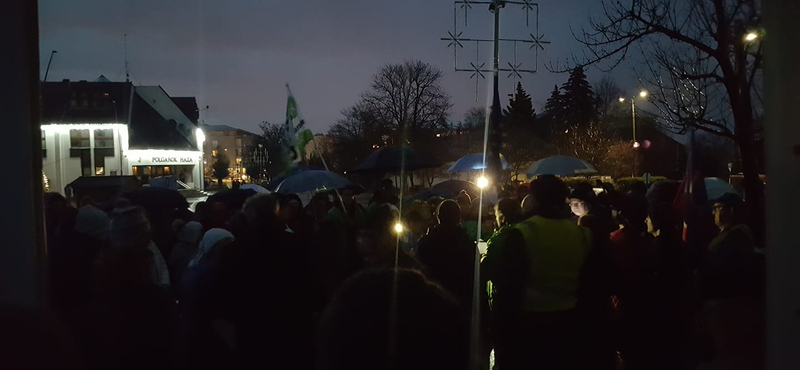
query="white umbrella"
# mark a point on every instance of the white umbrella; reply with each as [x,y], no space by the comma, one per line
[560,166]
[257,188]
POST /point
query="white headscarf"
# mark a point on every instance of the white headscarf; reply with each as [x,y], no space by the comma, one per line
[210,239]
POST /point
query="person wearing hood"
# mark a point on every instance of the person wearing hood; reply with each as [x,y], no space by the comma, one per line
[188,235]
[200,292]
[71,263]
[448,254]
[130,228]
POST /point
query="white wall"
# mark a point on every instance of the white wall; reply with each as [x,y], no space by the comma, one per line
[62,170]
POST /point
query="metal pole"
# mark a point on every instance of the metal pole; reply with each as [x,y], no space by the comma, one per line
[633,123]
[47,71]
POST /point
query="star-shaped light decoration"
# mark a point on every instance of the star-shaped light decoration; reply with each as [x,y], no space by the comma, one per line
[528,6]
[538,42]
[515,70]
[466,6]
[454,39]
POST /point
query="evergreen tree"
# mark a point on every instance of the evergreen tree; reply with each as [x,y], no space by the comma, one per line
[520,112]
[579,99]
[554,110]
[221,167]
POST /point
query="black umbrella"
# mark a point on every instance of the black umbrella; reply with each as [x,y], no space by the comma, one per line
[157,200]
[455,187]
[234,198]
[395,159]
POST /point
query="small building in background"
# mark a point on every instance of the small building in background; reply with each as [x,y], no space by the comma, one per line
[104,128]
[233,143]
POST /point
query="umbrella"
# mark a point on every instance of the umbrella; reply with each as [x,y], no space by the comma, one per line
[234,198]
[156,200]
[391,159]
[473,162]
[258,188]
[560,166]
[455,187]
[314,181]
[278,180]
[716,187]
[430,193]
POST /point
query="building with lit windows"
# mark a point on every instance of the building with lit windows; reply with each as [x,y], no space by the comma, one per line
[104,128]
[234,143]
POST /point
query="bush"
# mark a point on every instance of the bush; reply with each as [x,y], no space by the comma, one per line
[623,184]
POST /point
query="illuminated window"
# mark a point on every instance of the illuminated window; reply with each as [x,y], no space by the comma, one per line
[104,138]
[79,139]
[238,160]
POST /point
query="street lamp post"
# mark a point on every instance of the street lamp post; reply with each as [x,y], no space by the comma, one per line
[636,145]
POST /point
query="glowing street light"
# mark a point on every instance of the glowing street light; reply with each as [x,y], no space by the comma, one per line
[642,94]
[750,36]
[483,182]
[398,228]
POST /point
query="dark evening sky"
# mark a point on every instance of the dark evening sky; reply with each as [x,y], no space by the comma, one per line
[236,56]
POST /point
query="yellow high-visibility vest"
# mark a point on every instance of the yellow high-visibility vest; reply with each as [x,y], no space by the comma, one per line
[557,249]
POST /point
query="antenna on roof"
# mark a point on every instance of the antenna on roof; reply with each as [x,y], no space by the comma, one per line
[127,73]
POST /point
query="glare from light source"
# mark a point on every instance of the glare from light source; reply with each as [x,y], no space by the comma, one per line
[438,135]
[621,100]
[750,36]
[643,93]
[398,227]
[636,144]
[483,182]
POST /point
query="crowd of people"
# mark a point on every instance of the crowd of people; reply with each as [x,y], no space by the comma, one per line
[578,278]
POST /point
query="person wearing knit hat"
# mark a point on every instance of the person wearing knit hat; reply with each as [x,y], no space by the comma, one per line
[92,222]
[130,228]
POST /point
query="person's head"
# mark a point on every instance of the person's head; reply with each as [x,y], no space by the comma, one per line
[396,319]
[87,201]
[291,213]
[378,236]
[551,195]
[348,196]
[129,227]
[320,205]
[261,210]
[639,188]
[189,233]
[660,208]
[211,245]
[218,216]
[92,222]
[464,200]
[507,212]
[580,201]
[633,212]
[724,210]
[529,206]
[448,213]
[523,190]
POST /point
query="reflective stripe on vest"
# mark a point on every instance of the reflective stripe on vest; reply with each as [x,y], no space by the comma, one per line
[557,249]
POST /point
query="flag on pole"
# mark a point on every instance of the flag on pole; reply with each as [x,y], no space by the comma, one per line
[296,136]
